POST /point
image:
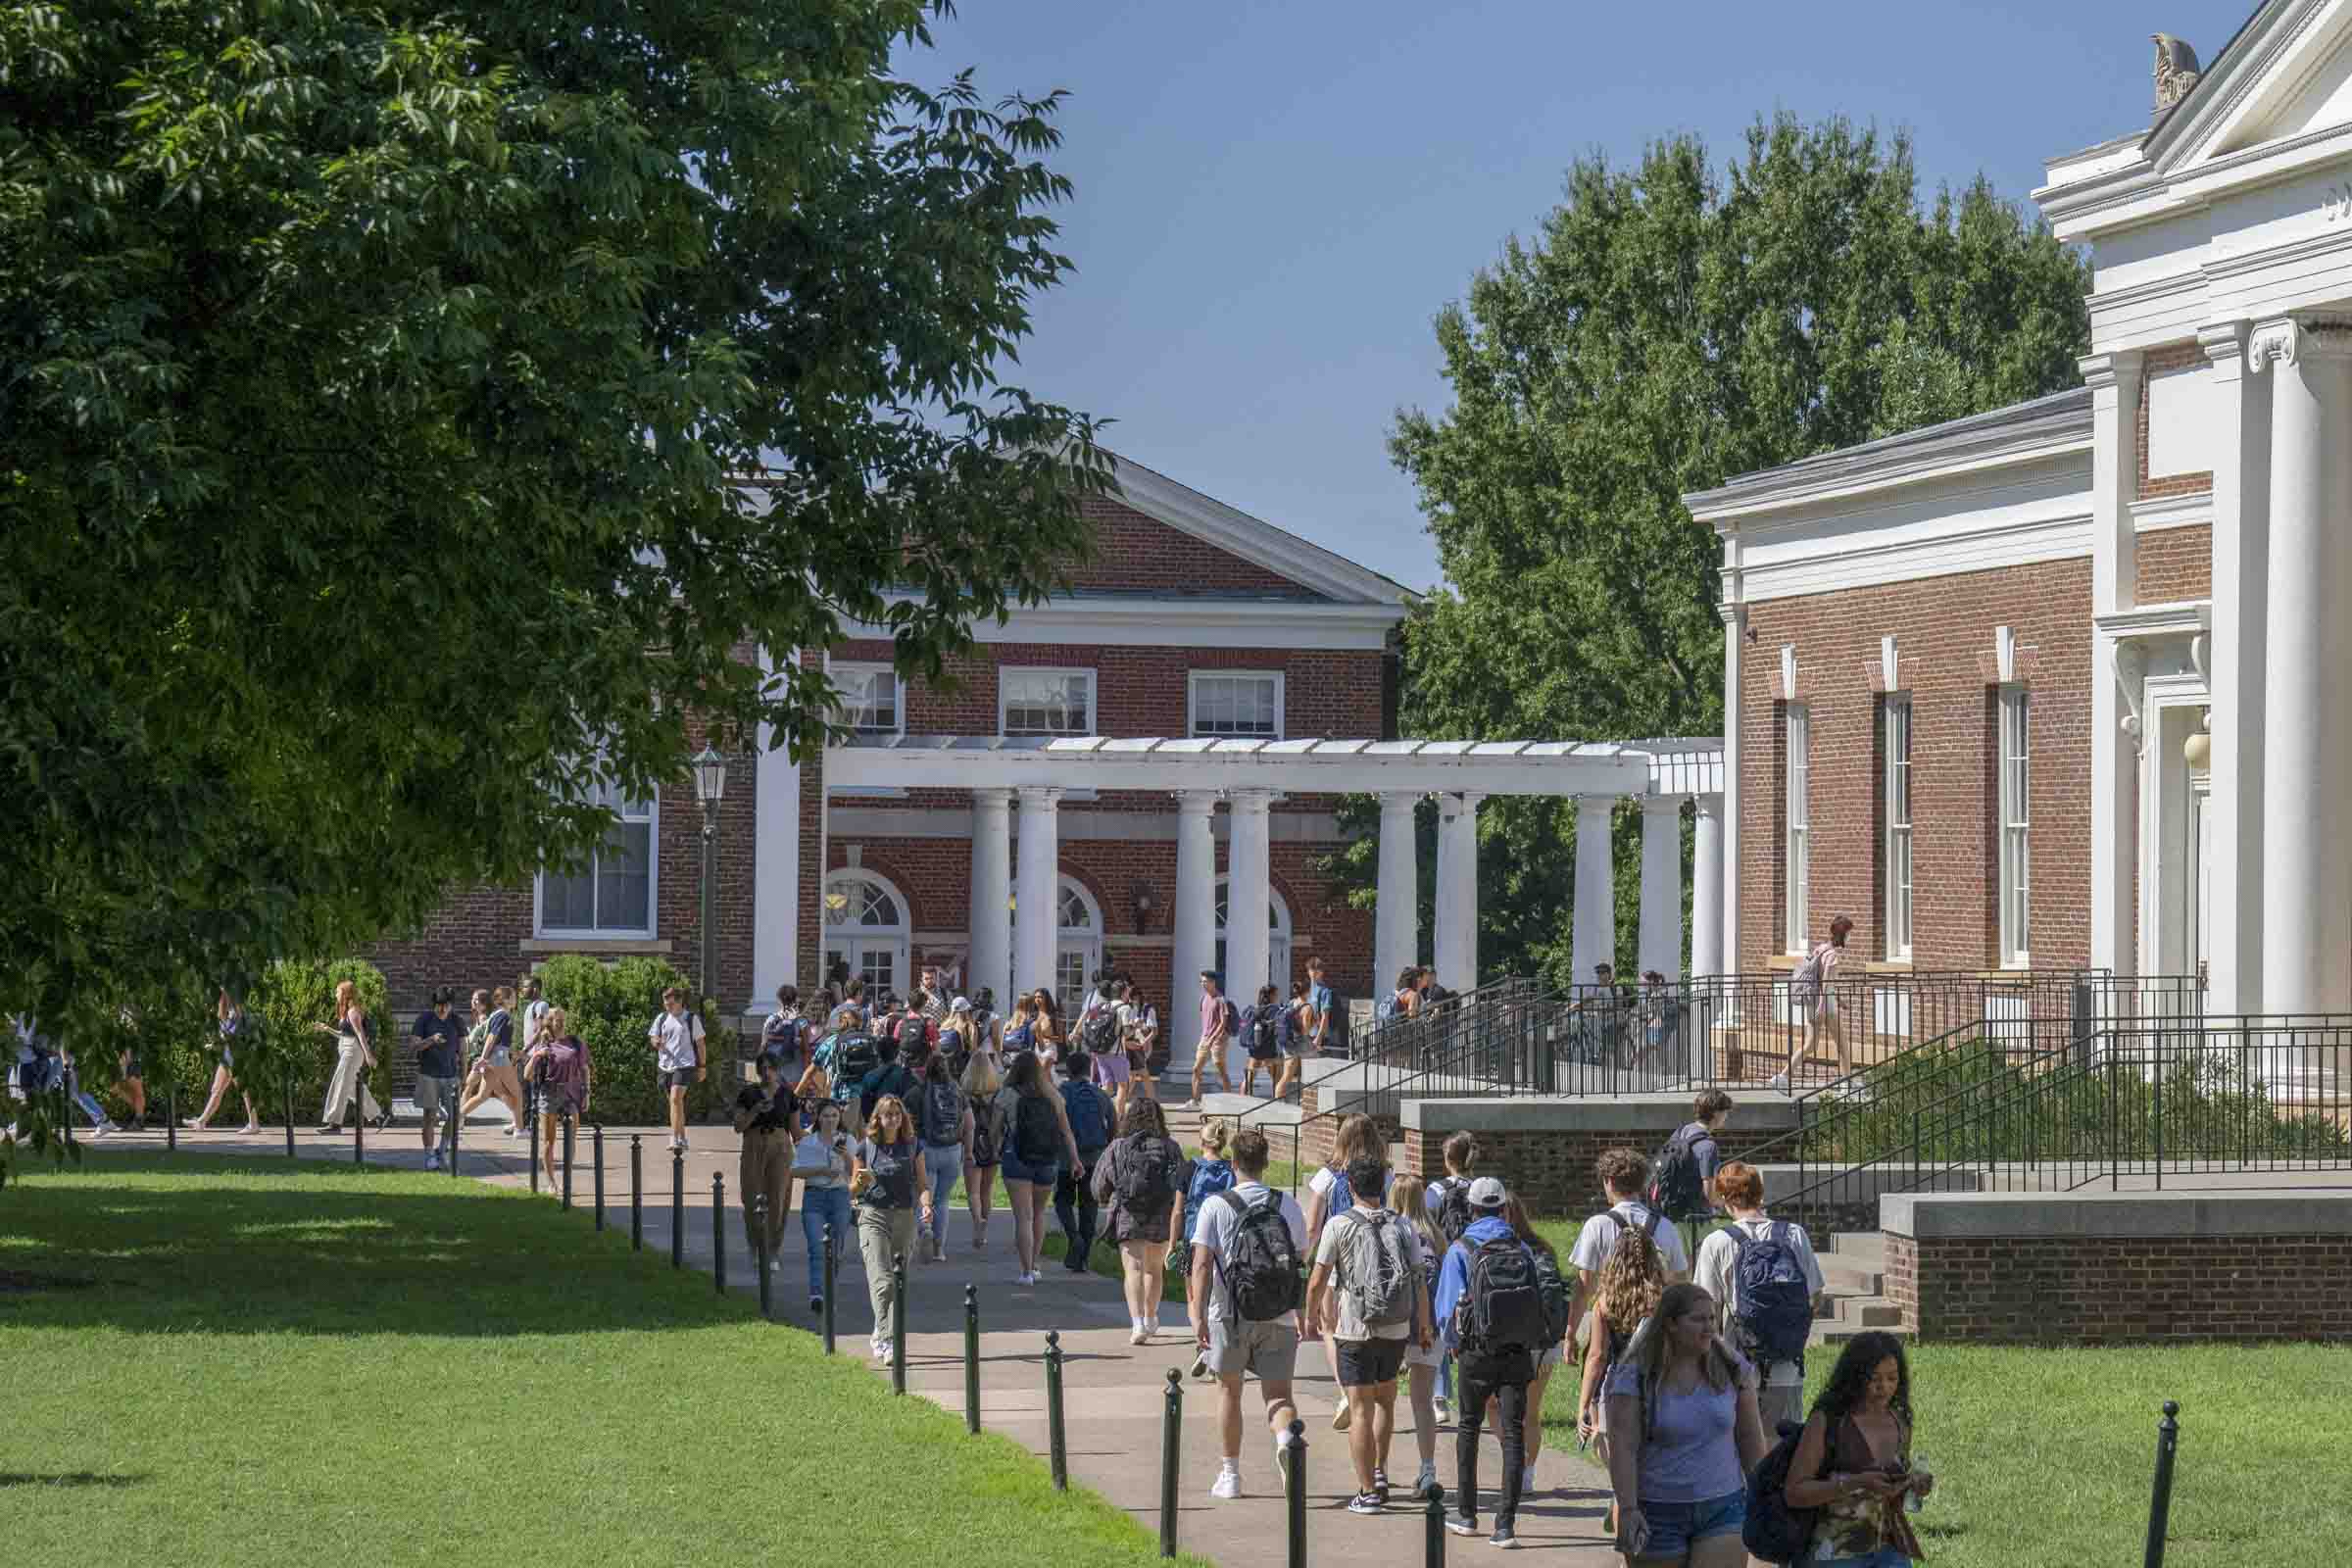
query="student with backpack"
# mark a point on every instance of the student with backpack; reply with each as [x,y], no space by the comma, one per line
[1037,1136]
[1447,1202]
[1089,1113]
[1327,1017]
[1834,1495]
[1551,1281]
[1765,1280]
[1261,1040]
[944,1119]
[1142,1178]
[1243,1301]
[1813,998]
[1624,1294]
[1624,1177]
[1100,1038]
[1422,1361]
[1681,1181]
[782,1036]
[886,1184]
[1681,1409]
[1491,1305]
[981,1083]
[890,1075]
[1366,1294]
[1330,1193]
[1211,1174]
[1219,1022]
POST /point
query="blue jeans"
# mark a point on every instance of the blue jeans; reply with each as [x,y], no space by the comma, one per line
[820,1207]
[944,1164]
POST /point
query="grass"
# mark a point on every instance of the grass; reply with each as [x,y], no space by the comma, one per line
[276,1363]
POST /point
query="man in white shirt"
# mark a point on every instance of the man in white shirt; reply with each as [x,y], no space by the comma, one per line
[1232,1345]
[676,1037]
[1624,1176]
[1741,1187]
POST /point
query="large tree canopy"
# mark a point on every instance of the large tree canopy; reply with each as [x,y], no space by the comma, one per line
[1671,326]
[374,385]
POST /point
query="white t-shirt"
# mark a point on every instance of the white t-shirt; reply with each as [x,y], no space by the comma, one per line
[678,1041]
[1212,1230]
[1718,1275]
[1599,1239]
[1327,1253]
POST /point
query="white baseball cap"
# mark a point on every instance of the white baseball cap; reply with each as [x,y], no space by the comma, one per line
[959,1005]
[1487,1193]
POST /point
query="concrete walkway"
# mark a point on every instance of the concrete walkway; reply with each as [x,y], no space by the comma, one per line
[1113,1391]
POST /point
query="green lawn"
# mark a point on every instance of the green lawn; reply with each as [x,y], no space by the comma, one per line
[278,1364]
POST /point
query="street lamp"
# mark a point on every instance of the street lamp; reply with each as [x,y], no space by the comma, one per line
[710,788]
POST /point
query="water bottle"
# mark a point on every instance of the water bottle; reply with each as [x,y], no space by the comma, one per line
[1912,1499]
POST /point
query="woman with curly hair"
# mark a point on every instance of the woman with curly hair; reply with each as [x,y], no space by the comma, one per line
[1141,1178]
[1854,1460]
[1680,1408]
[1626,1292]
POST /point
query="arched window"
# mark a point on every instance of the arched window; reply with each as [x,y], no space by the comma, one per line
[1078,944]
[867,931]
[1277,950]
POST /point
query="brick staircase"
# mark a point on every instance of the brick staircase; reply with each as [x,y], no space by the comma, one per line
[1853,1272]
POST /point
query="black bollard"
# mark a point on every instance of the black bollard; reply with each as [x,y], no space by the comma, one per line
[358,1123]
[1057,1440]
[596,1150]
[677,1209]
[1433,1528]
[832,1268]
[636,1192]
[1294,1487]
[571,1128]
[289,1116]
[2160,1501]
[456,1123]
[897,1323]
[1171,1429]
[718,1233]
[530,1132]
[971,1360]
[170,1115]
[762,1259]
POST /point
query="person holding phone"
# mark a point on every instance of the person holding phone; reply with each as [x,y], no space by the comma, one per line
[1854,1460]
[822,1163]
[764,1115]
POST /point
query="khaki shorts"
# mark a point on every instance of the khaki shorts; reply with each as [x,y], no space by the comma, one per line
[1269,1349]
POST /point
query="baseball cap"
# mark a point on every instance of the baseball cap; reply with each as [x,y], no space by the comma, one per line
[959,1005]
[1487,1193]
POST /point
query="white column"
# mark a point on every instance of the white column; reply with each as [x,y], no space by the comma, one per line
[1395,919]
[991,887]
[2239,409]
[1735,631]
[2114,380]
[1457,891]
[2307,855]
[1195,930]
[1707,888]
[776,871]
[1249,895]
[1660,942]
[1593,939]
[1036,919]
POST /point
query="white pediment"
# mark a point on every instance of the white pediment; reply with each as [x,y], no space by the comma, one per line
[2285,81]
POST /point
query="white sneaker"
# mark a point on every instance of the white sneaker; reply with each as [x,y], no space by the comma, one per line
[250,1128]
[1527,1481]
[1780,1081]
[101,1130]
[776,1265]
[1139,1335]
[432,1161]
[881,1350]
[1227,1487]
[1281,1459]
[1427,1479]
[1339,1420]
[514,1130]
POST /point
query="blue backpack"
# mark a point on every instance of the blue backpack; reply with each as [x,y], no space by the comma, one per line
[1089,1115]
[1210,1178]
[1775,1311]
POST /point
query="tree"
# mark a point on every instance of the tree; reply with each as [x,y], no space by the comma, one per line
[412,419]
[1671,327]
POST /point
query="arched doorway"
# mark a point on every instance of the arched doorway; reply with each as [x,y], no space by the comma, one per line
[1277,950]
[1077,944]
[867,931]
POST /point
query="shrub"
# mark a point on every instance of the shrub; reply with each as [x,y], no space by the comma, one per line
[288,998]
[609,1006]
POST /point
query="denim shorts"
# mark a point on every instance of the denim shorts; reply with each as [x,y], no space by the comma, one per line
[1884,1558]
[1015,1171]
[1674,1526]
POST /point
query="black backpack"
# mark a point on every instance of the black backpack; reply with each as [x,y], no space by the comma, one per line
[1676,1188]
[1773,1531]
[943,1111]
[914,1037]
[1502,1309]
[1454,1209]
[854,1056]
[1143,1175]
[1036,1132]
[1098,1031]
[1334,1024]
[1553,1285]
[1261,1266]
[1264,1031]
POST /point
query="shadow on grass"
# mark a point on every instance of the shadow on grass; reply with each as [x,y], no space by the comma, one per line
[74,1478]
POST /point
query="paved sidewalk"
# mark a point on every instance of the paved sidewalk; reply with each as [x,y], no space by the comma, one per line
[1113,1391]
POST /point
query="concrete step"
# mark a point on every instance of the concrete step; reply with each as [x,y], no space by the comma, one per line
[1834,1335]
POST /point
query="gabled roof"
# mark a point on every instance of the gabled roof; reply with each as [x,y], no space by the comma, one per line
[1252,539]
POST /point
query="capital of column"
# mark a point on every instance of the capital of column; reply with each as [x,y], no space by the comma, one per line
[2224,344]
[1196,803]
[1593,806]
[2291,340]
[2102,372]
[1252,802]
[1464,802]
[1710,807]
[993,800]
[1662,804]
[1041,797]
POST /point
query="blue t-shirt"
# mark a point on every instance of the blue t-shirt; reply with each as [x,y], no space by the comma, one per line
[1689,1450]
[438,1042]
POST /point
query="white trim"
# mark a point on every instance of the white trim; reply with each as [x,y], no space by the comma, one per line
[1057,672]
[1832,569]
[2180,618]
[838,668]
[2172,511]
[649,931]
[2014,828]
[1796,844]
[1191,698]
[1285,624]
[1077,824]
[1237,532]
[1897,893]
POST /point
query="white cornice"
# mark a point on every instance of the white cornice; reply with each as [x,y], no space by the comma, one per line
[1213,521]
[1181,623]
[1967,549]
[2184,618]
[2172,511]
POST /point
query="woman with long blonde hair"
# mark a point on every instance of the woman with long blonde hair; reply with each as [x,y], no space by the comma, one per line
[1685,1435]
[559,1065]
[1624,1294]
[886,1184]
[1327,1193]
[493,1062]
[1421,1363]
[354,1054]
[981,1083]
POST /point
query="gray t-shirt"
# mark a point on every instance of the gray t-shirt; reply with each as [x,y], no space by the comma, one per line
[1689,1448]
[1351,1326]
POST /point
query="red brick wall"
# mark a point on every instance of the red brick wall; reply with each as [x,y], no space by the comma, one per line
[2099,1290]
[2159,362]
[2174,565]
[1944,628]
[1134,552]
[1552,1170]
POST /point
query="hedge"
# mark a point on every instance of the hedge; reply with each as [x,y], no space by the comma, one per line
[609,1006]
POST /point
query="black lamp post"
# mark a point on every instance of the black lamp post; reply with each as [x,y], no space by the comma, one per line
[710,788]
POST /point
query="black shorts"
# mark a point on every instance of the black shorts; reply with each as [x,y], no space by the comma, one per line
[131,1067]
[1364,1362]
[683,1078]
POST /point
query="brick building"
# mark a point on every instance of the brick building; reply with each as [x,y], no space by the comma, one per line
[2066,683]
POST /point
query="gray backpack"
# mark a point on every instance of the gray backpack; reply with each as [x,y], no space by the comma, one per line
[1372,1268]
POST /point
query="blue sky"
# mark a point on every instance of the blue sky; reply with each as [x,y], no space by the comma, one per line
[1273,199]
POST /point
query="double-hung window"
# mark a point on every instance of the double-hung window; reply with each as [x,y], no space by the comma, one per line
[870,698]
[1224,702]
[1896,744]
[2017,878]
[1797,736]
[1045,702]
[612,895]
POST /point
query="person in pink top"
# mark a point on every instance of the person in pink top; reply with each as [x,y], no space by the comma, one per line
[1214,1037]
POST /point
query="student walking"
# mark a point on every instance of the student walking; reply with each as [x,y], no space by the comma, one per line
[1037,1136]
[1328,1193]
[354,1057]
[1447,1202]
[493,1077]
[1624,1177]
[438,1050]
[1681,1405]
[676,1038]
[765,1114]
[783,1035]
[1366,1295]
[557,1068]
[1243,1298]
[1624,1293]
[886,1184]
[1422,1359]
[1681,1182]
[132,1072]
[1219,1021]
[821,1164]
[981,1083]
[1261,1040]
[1211,1174]
[1813,997]
[1490,1301]
[1853,1461]
[230,1020]
[1766,1284]
[944,1117]
[1141,1178]
[1088,1113]
[1552,1350]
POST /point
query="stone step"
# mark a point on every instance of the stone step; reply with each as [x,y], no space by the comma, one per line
[1839,1334]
